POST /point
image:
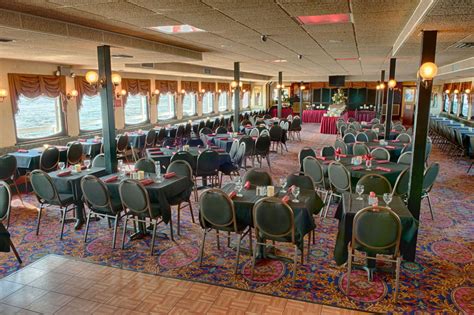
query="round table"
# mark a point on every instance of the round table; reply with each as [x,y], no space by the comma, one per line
[365,115]
[328,125]
[313,115]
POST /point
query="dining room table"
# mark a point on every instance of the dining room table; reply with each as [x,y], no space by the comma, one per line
[395,148]
[136,139]
[28,160]
[328,125]
[365,115]
[346,212]
[90,146]
[313,115]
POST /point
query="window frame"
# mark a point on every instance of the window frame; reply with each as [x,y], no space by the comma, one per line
[62,121]
[195,104]
[147,120]
[211,95]
[168,94]
[226,97]
[83,131]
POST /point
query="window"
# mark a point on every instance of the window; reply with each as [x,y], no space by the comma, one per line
[446,103]
[465,105]
[38,117]
[208,103]
[223,101]
[454,106]
[246,100]
[136,109]
[189,104]
[90,114]
[166,106]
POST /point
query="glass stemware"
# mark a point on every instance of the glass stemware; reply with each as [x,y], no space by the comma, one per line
[295,192]
[283,184]
[387,197]
[61,165]
[238,187]
[368,164]
[359,191]
[87,163]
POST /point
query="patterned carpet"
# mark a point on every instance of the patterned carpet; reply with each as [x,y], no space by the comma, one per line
[441,279]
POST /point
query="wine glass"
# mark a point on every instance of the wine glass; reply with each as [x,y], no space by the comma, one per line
[368,164]
[61,165]
[359,191]
[238,187]
[295,192]
[283,184]
[87,163]
[387,197]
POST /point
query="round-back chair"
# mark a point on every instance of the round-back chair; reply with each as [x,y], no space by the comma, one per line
[380,154]
[74,153]
[376,183]
[258,177]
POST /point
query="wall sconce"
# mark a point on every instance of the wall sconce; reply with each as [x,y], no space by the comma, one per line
[92,77]
[427,72]
[282,86]
[72,94]
[447,91]
[392,83]
[456,91]
[302,87]
[220,91]
[234,84]
[183,91]
[377,87]
[382,86]
[121,93]
[156,92]
[3,94]
[467,91]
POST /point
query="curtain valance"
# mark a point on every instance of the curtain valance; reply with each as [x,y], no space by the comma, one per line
[166,86]
[247,87]
[83,88]
[190,86]
[223,86]
[208,86]
[135,87]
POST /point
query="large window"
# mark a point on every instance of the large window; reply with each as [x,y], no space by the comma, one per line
[454,106]
[166,106]
[465,105]
[246,100]
[208,103]
[189,104]
[136,109]
[222,101]
[447,103]
[38,117]
[90,114]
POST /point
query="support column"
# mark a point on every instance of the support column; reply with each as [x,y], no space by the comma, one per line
[422,116]
[280,83]
[388,113]
[236,96]
[301,101]
[107,106]
[380,96]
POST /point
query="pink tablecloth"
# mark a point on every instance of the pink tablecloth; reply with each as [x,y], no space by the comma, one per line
[313,116]
[284,112]
[328,125]
[365,115]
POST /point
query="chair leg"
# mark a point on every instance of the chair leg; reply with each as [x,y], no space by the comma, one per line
[254,258]
[295,262]
[18,192]
[429,204]
[39,219]
[114,236]
[171,230]
[87,226]
[191,210]
[328,205]
[15,252]
[62,223]
[238,254]
[202,247]
[250,241]
[124,231]
[397,279]
[349,270]
[309,246]
[228,239]
[217,240]
[153,237]
[179,218]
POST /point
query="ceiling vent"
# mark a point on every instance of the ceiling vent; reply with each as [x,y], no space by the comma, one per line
[464,45]
[148,65]
[122,56]
[6,40]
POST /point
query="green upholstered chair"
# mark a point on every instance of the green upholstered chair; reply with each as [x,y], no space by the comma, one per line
[404,138]
[97,198]
[342,129]
[122,148]
[49,159]
[184,156]
[146,165]
[249,149]
[262,150]
[314,169]
[401,186]
[150,140]
[375,231]
[301,181]
[380,154]
[275,221]
[380,127]
[376,183]
[137,206]
[221,130]
[161,136]
[218,213]
[371,135]
[399,128]
[339,144]
[207,166]
[8,171]
[429,178]
[349,137]
[233,149]
[304,152]
[74,153]
[362,137]
[258,177]
[340,181]
[5,207]
[99,160]
[405,158]
[276,135]
[295,128]
[375,121]
[182,168]
[233,168]
[254,132]
[328,151]
[360,148]
[47,194]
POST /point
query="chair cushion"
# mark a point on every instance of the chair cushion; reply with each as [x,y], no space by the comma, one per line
[66,199]
[228,168]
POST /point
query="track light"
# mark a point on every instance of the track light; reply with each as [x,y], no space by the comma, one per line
[263,38]
[300,56]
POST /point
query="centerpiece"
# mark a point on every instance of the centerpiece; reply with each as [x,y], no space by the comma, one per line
[338,104]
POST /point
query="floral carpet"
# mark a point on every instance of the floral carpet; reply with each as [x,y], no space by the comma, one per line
[441,279]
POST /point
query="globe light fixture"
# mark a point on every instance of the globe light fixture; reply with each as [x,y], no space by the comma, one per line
[92,77]
[3,94]
[116,79]
[428,70]
[382,86]
[234,84]
[392,83]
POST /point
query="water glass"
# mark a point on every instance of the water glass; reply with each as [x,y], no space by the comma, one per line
[387,197]
[87,163]
[238,187]
[62,165]
[368,164]
[158,168]
[337,157]
[359,191]
[296,193]
[283,184]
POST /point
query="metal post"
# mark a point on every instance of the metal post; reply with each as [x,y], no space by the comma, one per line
[380,99]
[301,101]
[107,106]
[280,83]
[390,92]
[422,116]
[236,96]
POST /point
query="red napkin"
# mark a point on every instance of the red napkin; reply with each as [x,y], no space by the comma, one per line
[396,140]
[220,150]
[156,153]
[383,169]
[248,126]
[169,175]
[223,138]
[247,185]
[146,181]
[343,155]
[383,161]
[211,134]
[291,188]
[357,168]
[285,199]
[254,138]
[22,151]
[64,173]
[96,141]
[214,147]
[322,158]
[81,140]
[111,179]
[154,149]
[390,147]
[232,194]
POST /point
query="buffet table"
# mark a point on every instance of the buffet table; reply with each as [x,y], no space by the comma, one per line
[328,125]
[365,115]
[285,111]
[313,115]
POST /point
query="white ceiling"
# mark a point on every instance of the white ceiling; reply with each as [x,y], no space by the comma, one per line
[233,29]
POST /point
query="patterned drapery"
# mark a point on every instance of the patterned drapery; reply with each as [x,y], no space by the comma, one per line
[208,86]
[190,86]
[83,88]
[134,87]
[166,86]
[223,86]
[246,87]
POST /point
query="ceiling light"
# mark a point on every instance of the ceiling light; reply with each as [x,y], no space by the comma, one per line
[428,70]
[116,78]
[92,77]
[324,19]
[279,60]
[121,56]
[176,29]
[263,38]
[392,83]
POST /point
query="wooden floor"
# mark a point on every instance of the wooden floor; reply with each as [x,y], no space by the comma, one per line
[59,285]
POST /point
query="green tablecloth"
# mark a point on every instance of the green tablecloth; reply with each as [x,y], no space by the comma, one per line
[350,206]
[394,148]
[165,158]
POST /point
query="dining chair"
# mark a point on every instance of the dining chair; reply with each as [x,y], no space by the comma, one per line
[47,195]
[375,183]
[217,212]
[429,178]
[258,177]
[340,144]
[233,149]
[405,158]
[207,166]
[349,138]
[304,152]
[250,149]
[122,146]
[375,231]
[8,170]
[314,169]
[182,168]
[146,165]
[380,154]
[97,198]
[399,128]
[404,138]
[5,207]
[265,132]
[262,150]
[301,181]
[254,132]
[295,128]
[375,121]
[371,135]
[99,160]
[74,153]
[49,159]
[221,130]
[328,151]
[150,141]
[138,208]
[360,148]
[161,136]
[362,137]
[276,134]
[340,182]
[402,183]
[184,156]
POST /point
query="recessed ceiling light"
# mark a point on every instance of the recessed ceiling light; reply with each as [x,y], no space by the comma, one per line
[279,60]
[6,40]
[122,56]
[325,19]
[176,29]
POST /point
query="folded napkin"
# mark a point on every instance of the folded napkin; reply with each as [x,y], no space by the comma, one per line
[211,134]
[111,179]
[343,155]
[247,185]
[285,199]
[232,194]
[357,168]
[81,140]
[383,161]
[383,169]
[146,181]
[396,140]
[169,175]
[223,138]
[22,151]
[64,173]
[322,158]
[390,147]
[156,153]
